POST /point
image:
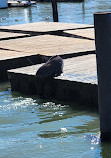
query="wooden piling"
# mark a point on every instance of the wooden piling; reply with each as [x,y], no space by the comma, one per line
[102,22]
[55,11]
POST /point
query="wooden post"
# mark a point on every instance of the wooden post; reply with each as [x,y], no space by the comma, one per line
[102,23]
[55,12]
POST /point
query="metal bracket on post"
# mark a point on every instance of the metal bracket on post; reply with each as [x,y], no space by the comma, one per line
[102,23]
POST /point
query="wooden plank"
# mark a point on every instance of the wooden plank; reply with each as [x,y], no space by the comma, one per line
[45,26]
[48,45]
[10,54]
[12,59]
[88,33]
[80,69]
[9,35]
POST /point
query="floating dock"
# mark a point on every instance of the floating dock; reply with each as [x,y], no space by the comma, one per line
[78,83]
[31,44]
[34,43]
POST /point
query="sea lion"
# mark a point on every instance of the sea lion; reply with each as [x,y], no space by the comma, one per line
[52,68]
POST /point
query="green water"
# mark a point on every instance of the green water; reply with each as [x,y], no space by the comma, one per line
[34,128]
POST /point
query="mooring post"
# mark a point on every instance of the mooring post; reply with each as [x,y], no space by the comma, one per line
[55,12]
[102,23]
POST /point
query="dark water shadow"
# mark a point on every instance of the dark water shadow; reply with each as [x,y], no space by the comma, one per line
[105,149]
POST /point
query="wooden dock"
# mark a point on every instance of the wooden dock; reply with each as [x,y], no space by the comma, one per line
[27,44]
[78,83]
[31,44]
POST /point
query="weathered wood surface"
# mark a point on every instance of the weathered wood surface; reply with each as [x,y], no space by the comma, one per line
[48,45]
[78,82]
[81,69]
[23,45]
[14,60]
[9,35]
[43,44]
[45,26]
[10,54]
[88,33]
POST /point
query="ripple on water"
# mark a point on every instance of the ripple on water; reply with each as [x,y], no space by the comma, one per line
[32,127]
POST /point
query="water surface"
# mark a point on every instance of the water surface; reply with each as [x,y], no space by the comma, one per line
[68,12]
[30,127]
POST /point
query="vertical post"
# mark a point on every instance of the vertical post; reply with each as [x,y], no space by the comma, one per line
[55,12]
[102,23]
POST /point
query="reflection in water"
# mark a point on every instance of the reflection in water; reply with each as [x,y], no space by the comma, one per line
[26,15]
[30,15]
[83,7]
